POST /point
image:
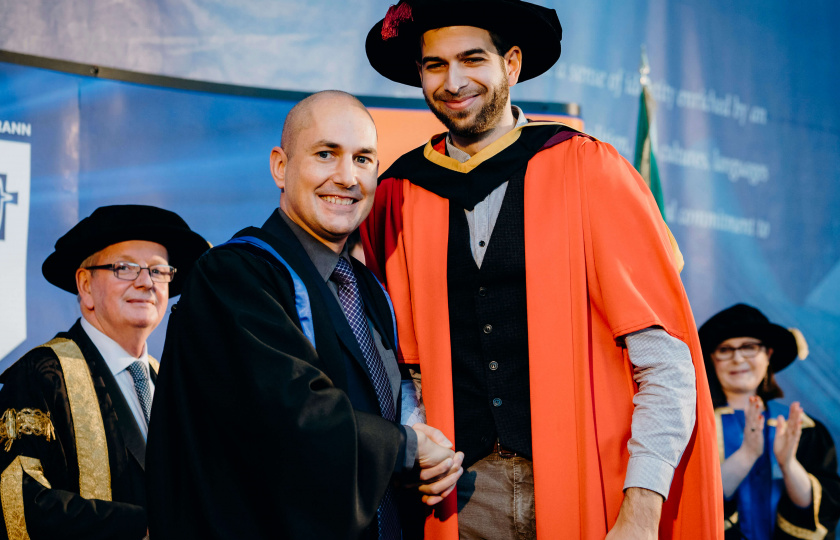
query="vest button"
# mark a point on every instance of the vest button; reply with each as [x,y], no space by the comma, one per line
[497,402]
[494,365]
[487,328]
[482,291]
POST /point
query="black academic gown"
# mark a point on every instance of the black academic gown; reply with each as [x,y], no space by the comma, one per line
[253,432]
[37,382]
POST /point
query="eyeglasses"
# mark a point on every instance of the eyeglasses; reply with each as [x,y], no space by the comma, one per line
[747,350]
[129,271]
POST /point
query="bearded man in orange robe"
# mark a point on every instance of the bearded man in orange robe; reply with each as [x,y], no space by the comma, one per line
[537,293]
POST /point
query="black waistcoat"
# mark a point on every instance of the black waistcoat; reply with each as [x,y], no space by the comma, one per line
[489,332]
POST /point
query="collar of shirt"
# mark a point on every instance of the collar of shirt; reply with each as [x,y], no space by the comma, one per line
[321,256]
[118,361]
[461,156]
[114,355]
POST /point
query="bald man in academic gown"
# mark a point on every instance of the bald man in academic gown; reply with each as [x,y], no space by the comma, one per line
[269,418]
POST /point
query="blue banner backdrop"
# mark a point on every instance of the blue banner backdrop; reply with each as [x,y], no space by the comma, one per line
[98,142]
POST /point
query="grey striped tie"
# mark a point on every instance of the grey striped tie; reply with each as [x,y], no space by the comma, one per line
[142,386]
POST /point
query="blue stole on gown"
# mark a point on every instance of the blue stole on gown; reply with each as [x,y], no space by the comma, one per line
[759,493]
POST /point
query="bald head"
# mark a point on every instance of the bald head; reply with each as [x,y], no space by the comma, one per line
[327,167]
[301,114]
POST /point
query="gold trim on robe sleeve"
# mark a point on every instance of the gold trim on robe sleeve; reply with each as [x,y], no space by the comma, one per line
[719,428]
[15,423]
[799,532]
[807,422]
[91,446]
[730,522]
[11,494]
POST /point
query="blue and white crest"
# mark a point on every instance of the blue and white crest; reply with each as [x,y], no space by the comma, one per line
[14,231]
[5,198]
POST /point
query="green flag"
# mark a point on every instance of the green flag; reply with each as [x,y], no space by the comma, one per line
[645,162]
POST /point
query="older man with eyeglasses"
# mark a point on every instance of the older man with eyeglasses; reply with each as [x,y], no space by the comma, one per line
[76,409]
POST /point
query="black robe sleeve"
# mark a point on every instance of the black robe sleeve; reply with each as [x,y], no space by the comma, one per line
[249,437]
[818,456]
[36,382]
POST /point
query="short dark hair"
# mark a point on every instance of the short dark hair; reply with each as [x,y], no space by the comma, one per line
[502,45]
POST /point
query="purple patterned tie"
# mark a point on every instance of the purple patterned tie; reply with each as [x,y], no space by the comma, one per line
[348,293]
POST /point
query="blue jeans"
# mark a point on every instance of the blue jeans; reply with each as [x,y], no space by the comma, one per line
[496,500]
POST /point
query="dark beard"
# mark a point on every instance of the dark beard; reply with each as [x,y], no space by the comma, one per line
[487,118]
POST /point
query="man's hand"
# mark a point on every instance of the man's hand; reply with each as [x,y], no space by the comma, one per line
[638,518]
[440,465]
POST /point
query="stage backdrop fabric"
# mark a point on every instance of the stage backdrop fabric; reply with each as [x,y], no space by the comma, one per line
[72,143]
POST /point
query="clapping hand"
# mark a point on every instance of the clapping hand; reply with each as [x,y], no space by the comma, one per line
[754,428]
[785,445]
[788,433]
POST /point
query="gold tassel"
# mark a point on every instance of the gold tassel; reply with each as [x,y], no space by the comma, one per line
[801,343]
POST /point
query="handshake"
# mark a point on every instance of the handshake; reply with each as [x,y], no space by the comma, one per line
[440,466]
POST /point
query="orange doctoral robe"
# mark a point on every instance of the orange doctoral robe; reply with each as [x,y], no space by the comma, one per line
[600,264]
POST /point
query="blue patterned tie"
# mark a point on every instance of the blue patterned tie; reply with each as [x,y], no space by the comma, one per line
[141,385]
[348,293]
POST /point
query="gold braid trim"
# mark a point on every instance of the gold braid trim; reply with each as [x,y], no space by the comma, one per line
[11,494]
[719,428]
[494,148]
[807,422]
[155,365]
[91,446]
[799,532]
[729,523]
[25,422]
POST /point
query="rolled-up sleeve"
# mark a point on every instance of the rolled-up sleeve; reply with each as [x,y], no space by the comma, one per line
[664,413]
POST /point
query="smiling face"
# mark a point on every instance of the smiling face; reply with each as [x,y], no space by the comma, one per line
[328,169]
[738,375]
[466,83]
[122,309]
